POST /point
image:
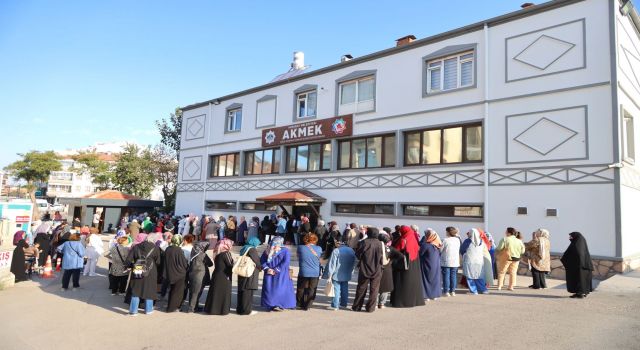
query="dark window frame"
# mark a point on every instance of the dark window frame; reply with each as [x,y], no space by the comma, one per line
[249,165]
[366,158]
[442,206]
[261,205]
[215,159]
[295,167]
[442,129]
[362,205]
[227,207]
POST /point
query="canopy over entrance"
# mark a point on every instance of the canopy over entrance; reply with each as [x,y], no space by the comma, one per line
[296,197]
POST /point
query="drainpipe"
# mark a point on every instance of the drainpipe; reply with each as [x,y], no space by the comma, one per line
[486,129]
[206,158]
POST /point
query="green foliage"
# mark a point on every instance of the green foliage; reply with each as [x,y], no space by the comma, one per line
[170,131]
[100,171]
[133,173]
[165,170]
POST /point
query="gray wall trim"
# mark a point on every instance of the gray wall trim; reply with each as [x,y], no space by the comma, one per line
[234,106]
[221,143]
[184,163]
[502,99]
[478,26]
[264,99]
[204,126]
[586,130]
[560,175]
[613,47]
[447,51]
[305,88]
[584,52]
[356,75]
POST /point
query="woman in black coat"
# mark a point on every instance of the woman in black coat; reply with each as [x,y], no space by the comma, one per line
[246,285]
[199,275]
[18,261]
[175,265]
[45,244]
[219,296]
[578,266]
[146,287]
[386,282]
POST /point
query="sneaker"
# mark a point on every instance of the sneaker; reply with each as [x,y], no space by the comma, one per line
[331,308]
[253,313]
[381,306]
[132,315]
[434,299]
[453,294]
[474,293]
[149,313]
[444,295]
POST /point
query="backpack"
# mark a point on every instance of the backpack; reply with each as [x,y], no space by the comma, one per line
[141,267]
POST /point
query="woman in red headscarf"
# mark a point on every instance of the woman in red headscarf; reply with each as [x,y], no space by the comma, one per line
[407,278]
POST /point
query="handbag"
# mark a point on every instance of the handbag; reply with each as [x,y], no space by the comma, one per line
[328,289]
[245,266]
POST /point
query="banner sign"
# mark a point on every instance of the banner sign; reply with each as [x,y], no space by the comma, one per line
[314,130]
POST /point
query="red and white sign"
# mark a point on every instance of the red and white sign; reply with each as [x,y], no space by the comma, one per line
[5,259]
[23,219]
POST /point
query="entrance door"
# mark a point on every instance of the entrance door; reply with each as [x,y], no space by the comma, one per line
[307,211]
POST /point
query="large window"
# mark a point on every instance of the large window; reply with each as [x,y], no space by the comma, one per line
[455,144]
[234,119]
[364,208]
[303,158]
[253,206]
[262,162]
[357,95]
[629,149]
[306,103]
[450,72]
[467,211]
[220,205]
[369,152]
[225,165]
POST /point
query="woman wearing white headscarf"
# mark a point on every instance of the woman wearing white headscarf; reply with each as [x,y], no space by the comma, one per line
[538,251]
[472,251]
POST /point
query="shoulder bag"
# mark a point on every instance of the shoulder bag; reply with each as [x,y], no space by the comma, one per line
[245,266]
[316,255]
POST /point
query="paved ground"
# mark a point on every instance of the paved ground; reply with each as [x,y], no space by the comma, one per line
[37,315]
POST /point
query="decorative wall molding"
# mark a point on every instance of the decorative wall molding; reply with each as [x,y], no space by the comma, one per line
[192,168]
[195,127]
[561,175]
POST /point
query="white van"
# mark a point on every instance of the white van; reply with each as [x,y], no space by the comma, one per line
[42,204]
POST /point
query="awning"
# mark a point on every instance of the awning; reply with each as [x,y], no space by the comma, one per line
[293,198]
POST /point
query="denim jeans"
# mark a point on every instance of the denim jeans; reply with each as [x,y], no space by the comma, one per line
[135,301]
[296,238]
[341,294]
[449,279]
[477,286]
[382,298]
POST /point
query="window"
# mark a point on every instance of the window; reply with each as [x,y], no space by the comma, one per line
[356,92]
[469,211]
[224,165]
[451,72]
[61,175]
[522,211]
[262,162]
[370,152]
[364,208]
[450,145]
[629,153]
[234,119]
[303,158]
[306,103]
[220,205]
[251,206]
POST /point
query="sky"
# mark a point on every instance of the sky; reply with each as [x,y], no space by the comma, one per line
[74,73]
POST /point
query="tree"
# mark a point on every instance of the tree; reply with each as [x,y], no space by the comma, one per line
[34,167]
[100,171]
[133,173]
[165,171]
[170,131]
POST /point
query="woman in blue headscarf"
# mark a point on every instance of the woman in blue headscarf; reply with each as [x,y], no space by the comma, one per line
[277,287]
[246,285]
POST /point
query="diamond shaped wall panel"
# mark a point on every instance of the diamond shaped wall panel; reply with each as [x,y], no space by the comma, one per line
[192,168]
[546,51]
[195,127]
[547,136]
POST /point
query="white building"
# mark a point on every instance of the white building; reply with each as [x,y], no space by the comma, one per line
[523,120]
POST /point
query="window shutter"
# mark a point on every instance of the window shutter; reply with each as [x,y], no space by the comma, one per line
[466,73]
[450,73]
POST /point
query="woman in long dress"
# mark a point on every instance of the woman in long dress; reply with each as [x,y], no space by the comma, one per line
[473,262]
[18,261]
[430,262]
[407,284]
[175,264]
[199,275]
[277,287]
[219,296]
[538,252]
[578,266]
[246,285]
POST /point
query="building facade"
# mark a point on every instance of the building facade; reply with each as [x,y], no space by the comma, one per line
[523,120]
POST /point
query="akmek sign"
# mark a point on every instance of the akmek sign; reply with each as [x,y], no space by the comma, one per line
[314,130]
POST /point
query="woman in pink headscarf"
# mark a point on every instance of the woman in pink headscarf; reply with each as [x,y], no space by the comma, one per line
[219,296]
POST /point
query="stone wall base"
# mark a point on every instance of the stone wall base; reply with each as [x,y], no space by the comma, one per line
[602,268]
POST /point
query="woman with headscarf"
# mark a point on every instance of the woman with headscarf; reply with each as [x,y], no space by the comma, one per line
[175,265]
[277,287]
[241,231]
[407,282]
[19,236]
[486,253]
[73,252]
[578,266]
[492,253]
[232,225]
[430,262]
[18,261]
[538,252]
[388,254]
[253,228]
[43,239]
[199,275]
[472,251]
[145,287]
[94,250]
[219,296]
[246,285]
[118,268]
[222,228]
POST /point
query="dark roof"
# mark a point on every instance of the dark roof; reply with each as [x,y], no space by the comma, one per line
[528,11]
[293,196]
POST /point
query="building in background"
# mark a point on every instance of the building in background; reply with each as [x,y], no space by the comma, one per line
[523,120]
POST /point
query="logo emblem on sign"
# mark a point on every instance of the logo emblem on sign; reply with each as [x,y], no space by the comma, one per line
[339,126]
[270,137]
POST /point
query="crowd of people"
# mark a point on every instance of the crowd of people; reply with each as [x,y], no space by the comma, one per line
[152,257]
